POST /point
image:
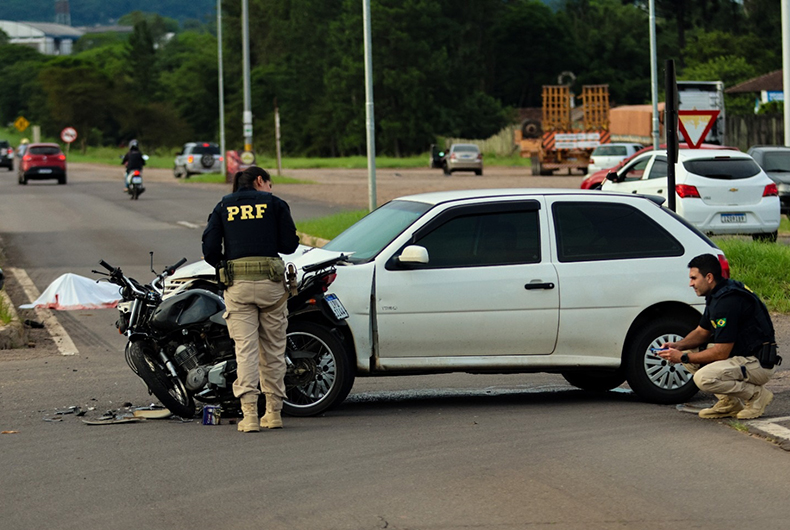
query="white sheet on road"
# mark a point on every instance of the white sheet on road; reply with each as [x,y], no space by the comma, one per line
[72,291]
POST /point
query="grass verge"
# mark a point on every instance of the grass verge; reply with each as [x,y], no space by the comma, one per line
[764,267]
[5,311]
[331,226]
[217,178]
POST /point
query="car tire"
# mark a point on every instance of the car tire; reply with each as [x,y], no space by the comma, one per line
[652,378]
[536,167]
[595,380]
[176,172]
[531,129]
[207,161]
[478,172]
[766,238]
[62,180]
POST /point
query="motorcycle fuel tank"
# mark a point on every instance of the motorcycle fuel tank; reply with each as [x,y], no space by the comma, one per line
[187,308]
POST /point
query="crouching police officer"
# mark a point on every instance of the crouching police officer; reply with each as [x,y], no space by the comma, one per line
[742,355]
[254,226]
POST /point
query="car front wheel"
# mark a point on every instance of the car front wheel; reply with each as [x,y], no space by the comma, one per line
[651,377]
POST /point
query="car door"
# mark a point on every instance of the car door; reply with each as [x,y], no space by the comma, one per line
[489,287]
[632,178]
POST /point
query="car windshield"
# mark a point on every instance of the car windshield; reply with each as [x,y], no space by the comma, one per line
[368,236]
[610,150]
[203,149]
[723,168]
[776,161]
[465,149]
[44,150]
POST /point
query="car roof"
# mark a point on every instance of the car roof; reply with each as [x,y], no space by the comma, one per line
[769,148]
[464,145]
[438,197]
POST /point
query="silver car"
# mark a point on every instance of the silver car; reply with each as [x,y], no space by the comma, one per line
[775,161]
[197,157]
[463,157]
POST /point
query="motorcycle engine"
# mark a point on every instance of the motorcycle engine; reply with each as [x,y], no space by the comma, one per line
[196,378]
[186,356]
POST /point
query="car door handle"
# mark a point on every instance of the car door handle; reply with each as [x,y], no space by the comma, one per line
[539,285]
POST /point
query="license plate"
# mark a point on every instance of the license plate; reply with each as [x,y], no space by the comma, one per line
[137,180]
[733,218]
[45,171]
[336,306]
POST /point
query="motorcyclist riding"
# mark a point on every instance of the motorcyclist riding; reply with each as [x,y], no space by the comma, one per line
[133,160]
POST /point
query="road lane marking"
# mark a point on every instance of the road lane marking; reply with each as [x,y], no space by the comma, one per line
[59,336]
[187,224]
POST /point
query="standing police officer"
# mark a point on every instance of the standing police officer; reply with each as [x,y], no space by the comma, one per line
[254,226]
[742,356]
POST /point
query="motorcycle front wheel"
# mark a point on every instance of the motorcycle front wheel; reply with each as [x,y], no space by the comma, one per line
[167,389]
[319,374]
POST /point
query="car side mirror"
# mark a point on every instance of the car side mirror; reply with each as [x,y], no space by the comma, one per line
[612,176]
[414,254]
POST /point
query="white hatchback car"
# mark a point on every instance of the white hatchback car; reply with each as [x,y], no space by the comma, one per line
[515,281]
[718,192]
[609,155]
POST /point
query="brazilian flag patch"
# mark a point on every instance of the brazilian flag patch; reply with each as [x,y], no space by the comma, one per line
[720,323]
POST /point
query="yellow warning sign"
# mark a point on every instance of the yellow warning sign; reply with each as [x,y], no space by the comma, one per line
[21,123]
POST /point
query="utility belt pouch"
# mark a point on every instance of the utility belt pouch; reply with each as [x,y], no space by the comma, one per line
[256,269]
[225,275]
[768,356]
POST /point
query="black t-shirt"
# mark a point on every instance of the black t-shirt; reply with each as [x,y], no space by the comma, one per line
[731,317]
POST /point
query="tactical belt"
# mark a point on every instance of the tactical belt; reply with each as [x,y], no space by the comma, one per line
[254,268]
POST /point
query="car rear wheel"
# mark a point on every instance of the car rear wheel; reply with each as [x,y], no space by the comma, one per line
[478,172]
[62,179]
[651,377]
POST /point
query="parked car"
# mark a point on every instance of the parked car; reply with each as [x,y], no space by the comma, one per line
[42,161]
[6,155]
[775,161]
[463,157]
[197,157]
[594,181]
[718,192]
[516,281]
[608,155]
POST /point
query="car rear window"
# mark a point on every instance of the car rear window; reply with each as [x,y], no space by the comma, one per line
[723,168]
[590,231]
[3,143]
[205,149]
[776,161]
[465,148]
[44,150]
[610,150]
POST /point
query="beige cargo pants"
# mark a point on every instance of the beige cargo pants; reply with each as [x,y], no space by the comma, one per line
[737,377]
[258,329]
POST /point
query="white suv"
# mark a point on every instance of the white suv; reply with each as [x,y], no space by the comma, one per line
[197,157]
[718,192]
[514,281]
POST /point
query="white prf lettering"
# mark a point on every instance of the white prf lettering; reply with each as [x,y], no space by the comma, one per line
[260,209]
[232,212]
[246,211]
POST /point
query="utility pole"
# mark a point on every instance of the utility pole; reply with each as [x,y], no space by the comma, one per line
[369,117]
[247,118]
[221,90]
[654,73]
[786,66]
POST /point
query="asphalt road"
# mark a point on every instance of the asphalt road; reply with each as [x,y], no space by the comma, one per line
[427,452]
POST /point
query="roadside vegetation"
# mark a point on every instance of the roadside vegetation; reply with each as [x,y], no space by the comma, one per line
[5,312]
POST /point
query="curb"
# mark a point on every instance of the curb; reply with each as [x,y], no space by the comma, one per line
[12,335]
[771,430]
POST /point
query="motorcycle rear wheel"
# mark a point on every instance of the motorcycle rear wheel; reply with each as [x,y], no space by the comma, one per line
[319,375]
[167,389]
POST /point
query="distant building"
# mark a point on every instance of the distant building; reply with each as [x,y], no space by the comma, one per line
[49,39]
[765,88]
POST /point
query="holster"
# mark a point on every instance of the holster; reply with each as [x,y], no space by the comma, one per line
[289,279]
[224,275]
[768,355]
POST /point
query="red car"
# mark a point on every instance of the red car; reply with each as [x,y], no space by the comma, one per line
[42,161]
[594,181]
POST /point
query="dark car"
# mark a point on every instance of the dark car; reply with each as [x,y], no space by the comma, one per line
[775,161]
[6,155]
[42,161]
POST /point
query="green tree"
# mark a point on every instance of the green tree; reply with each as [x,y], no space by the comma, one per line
[141,62]
[19,68]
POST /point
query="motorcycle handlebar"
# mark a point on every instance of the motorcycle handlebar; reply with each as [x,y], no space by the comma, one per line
[172,269]
[106,265]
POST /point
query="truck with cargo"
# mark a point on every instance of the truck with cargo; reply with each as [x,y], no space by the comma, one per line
[556,142]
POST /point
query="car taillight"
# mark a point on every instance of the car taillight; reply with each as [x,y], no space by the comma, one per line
[190,159]
[27,158]
[771,190]
[592,161]
[62,158]
[725,266]
[327,281]
[479,156]
[221,159]
[685,191]
[452,156]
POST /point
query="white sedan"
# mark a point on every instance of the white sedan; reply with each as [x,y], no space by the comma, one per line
[609,155]
[718,192]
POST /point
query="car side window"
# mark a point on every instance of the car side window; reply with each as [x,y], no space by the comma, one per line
[591,231]
[659,169]
[636,170]
[474,240]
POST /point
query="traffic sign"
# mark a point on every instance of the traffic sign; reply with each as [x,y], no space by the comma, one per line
[68,135]
[696,124]
[248,157]
[21,123]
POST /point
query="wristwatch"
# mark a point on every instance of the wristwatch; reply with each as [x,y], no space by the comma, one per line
[685,358]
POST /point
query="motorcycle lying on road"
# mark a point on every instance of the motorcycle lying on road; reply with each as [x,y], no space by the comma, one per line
[180,347]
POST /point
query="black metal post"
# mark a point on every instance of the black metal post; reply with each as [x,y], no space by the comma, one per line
[671,124]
